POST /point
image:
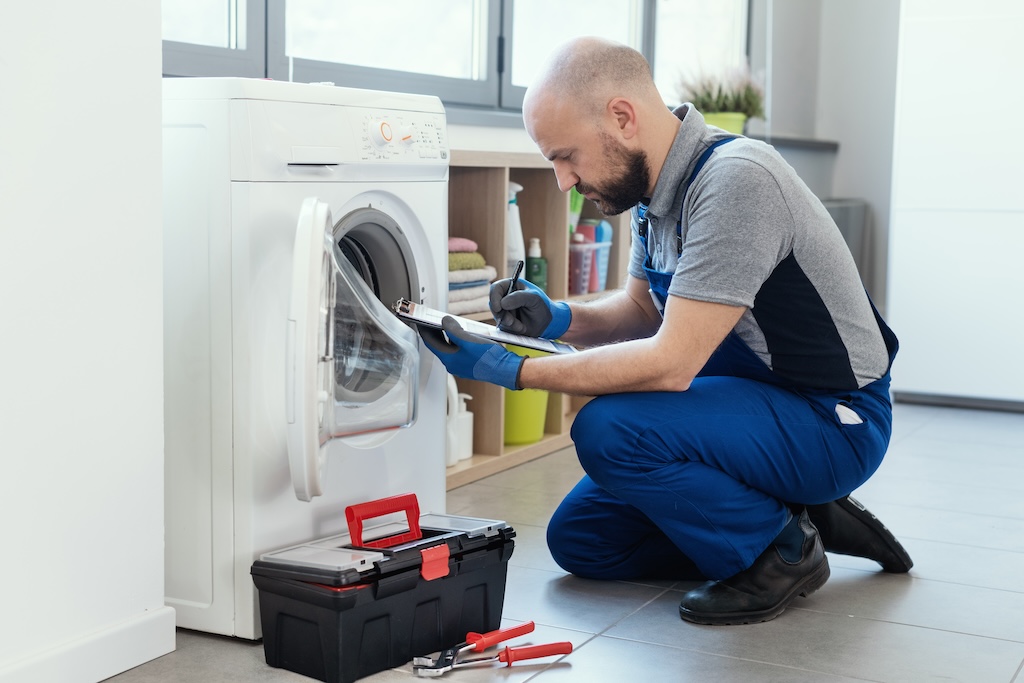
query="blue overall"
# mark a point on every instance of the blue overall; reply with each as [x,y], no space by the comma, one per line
[695,484]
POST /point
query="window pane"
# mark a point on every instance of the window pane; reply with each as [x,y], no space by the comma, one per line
[697,37]
[539,26]
[435,38]
[219,23]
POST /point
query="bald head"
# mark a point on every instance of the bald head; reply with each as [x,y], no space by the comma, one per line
[591,71]
[596,114]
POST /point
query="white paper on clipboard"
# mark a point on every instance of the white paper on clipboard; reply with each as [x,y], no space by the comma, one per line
[431,317]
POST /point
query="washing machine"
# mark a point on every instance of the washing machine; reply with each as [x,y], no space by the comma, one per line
[295,215]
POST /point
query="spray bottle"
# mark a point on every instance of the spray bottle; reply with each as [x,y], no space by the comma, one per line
[516,249]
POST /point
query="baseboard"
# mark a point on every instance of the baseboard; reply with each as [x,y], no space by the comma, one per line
[959,401]
[100,654]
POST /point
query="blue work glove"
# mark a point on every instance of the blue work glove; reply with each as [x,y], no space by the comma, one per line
[528,310]
[471,356]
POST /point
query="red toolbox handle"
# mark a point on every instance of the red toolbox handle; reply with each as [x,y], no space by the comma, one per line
[357,514]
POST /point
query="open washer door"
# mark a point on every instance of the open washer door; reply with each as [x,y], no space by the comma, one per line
[352,366]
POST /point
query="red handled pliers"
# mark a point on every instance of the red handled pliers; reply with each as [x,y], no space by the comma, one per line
[478,642]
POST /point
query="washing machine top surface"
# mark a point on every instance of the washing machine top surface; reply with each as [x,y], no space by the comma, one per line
[217,88]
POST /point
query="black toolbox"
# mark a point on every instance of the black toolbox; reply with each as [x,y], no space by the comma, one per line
[344,607]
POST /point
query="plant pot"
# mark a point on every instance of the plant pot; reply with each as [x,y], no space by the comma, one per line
[727,120]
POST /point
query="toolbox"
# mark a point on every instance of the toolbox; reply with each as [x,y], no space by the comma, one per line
[348,606]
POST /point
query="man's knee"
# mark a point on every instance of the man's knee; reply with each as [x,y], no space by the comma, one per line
[574,548]
[597,437]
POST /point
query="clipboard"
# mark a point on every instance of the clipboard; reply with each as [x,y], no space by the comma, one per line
[431,317]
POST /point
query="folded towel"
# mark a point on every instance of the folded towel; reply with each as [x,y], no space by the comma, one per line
[452,286]
[465,260]
[461,244]
[478,305]
[469,293]
[487,273]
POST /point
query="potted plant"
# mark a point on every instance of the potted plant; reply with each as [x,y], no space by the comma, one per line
[726,102]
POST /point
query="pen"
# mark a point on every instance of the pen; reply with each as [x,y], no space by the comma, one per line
[515,277]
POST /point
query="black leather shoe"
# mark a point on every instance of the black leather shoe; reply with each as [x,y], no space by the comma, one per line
[762,591]
[848,528]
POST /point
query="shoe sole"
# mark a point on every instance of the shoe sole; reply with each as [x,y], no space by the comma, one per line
[864,516]
[810,583]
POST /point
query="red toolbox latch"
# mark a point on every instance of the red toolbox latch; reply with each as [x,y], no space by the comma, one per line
[435,562]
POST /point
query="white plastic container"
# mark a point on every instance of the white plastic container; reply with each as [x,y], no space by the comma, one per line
[516,247]
[460,425]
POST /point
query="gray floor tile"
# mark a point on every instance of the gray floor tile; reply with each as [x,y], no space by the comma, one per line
[518,506]
[565,601]
[966,496]
[605,659]
[214,659]
[839,645]
[913,601]
[961,528]
[531,549]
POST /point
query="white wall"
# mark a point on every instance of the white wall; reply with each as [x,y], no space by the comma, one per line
[81,420]
[856,105]
[833,78]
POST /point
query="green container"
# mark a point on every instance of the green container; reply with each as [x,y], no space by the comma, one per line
[525,410]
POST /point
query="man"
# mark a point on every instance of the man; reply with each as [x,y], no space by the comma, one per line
[741,377]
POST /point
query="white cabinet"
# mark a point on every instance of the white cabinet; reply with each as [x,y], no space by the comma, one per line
[957,226]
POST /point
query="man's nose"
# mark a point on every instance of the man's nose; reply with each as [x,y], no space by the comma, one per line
[565,176]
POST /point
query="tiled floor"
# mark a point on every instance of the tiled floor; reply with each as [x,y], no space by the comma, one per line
[952,489]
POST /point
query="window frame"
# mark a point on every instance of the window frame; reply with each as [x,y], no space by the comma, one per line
[191,59]
[492,100]
[511,96]
[454,91]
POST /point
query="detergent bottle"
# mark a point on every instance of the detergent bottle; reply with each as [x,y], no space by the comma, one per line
[459,426]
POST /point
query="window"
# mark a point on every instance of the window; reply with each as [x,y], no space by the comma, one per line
[213,37]
[449,39]
[477,54]
[538,26]
[439,48]
[695,38]
[220,23]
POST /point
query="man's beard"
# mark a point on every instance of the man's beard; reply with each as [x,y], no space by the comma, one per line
[630,182]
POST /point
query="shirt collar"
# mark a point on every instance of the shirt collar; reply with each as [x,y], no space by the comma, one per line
[682,157]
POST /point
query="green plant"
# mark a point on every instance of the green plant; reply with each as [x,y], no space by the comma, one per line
[736,92]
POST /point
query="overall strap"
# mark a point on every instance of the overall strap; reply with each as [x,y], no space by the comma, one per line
[641,209]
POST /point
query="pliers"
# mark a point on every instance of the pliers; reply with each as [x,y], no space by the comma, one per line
[478,642]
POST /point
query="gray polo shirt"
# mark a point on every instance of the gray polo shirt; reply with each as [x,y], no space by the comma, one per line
[754,235]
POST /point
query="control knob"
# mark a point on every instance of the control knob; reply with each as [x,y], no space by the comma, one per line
[381,134]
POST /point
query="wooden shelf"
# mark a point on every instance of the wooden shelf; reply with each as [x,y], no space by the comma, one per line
[480,466]
[478,210]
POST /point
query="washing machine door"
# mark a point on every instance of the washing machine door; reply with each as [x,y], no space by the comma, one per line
[353,367]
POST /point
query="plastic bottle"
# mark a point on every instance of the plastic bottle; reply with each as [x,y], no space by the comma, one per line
[459,426]
[536,265]
[515,246]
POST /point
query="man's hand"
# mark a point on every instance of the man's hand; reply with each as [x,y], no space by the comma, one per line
[471,356]
[528,310]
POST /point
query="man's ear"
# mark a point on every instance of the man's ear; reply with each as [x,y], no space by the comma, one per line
[624,114]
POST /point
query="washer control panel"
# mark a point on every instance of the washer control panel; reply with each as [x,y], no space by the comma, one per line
[403,136]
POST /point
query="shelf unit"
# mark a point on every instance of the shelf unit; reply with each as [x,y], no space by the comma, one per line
[478,210]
